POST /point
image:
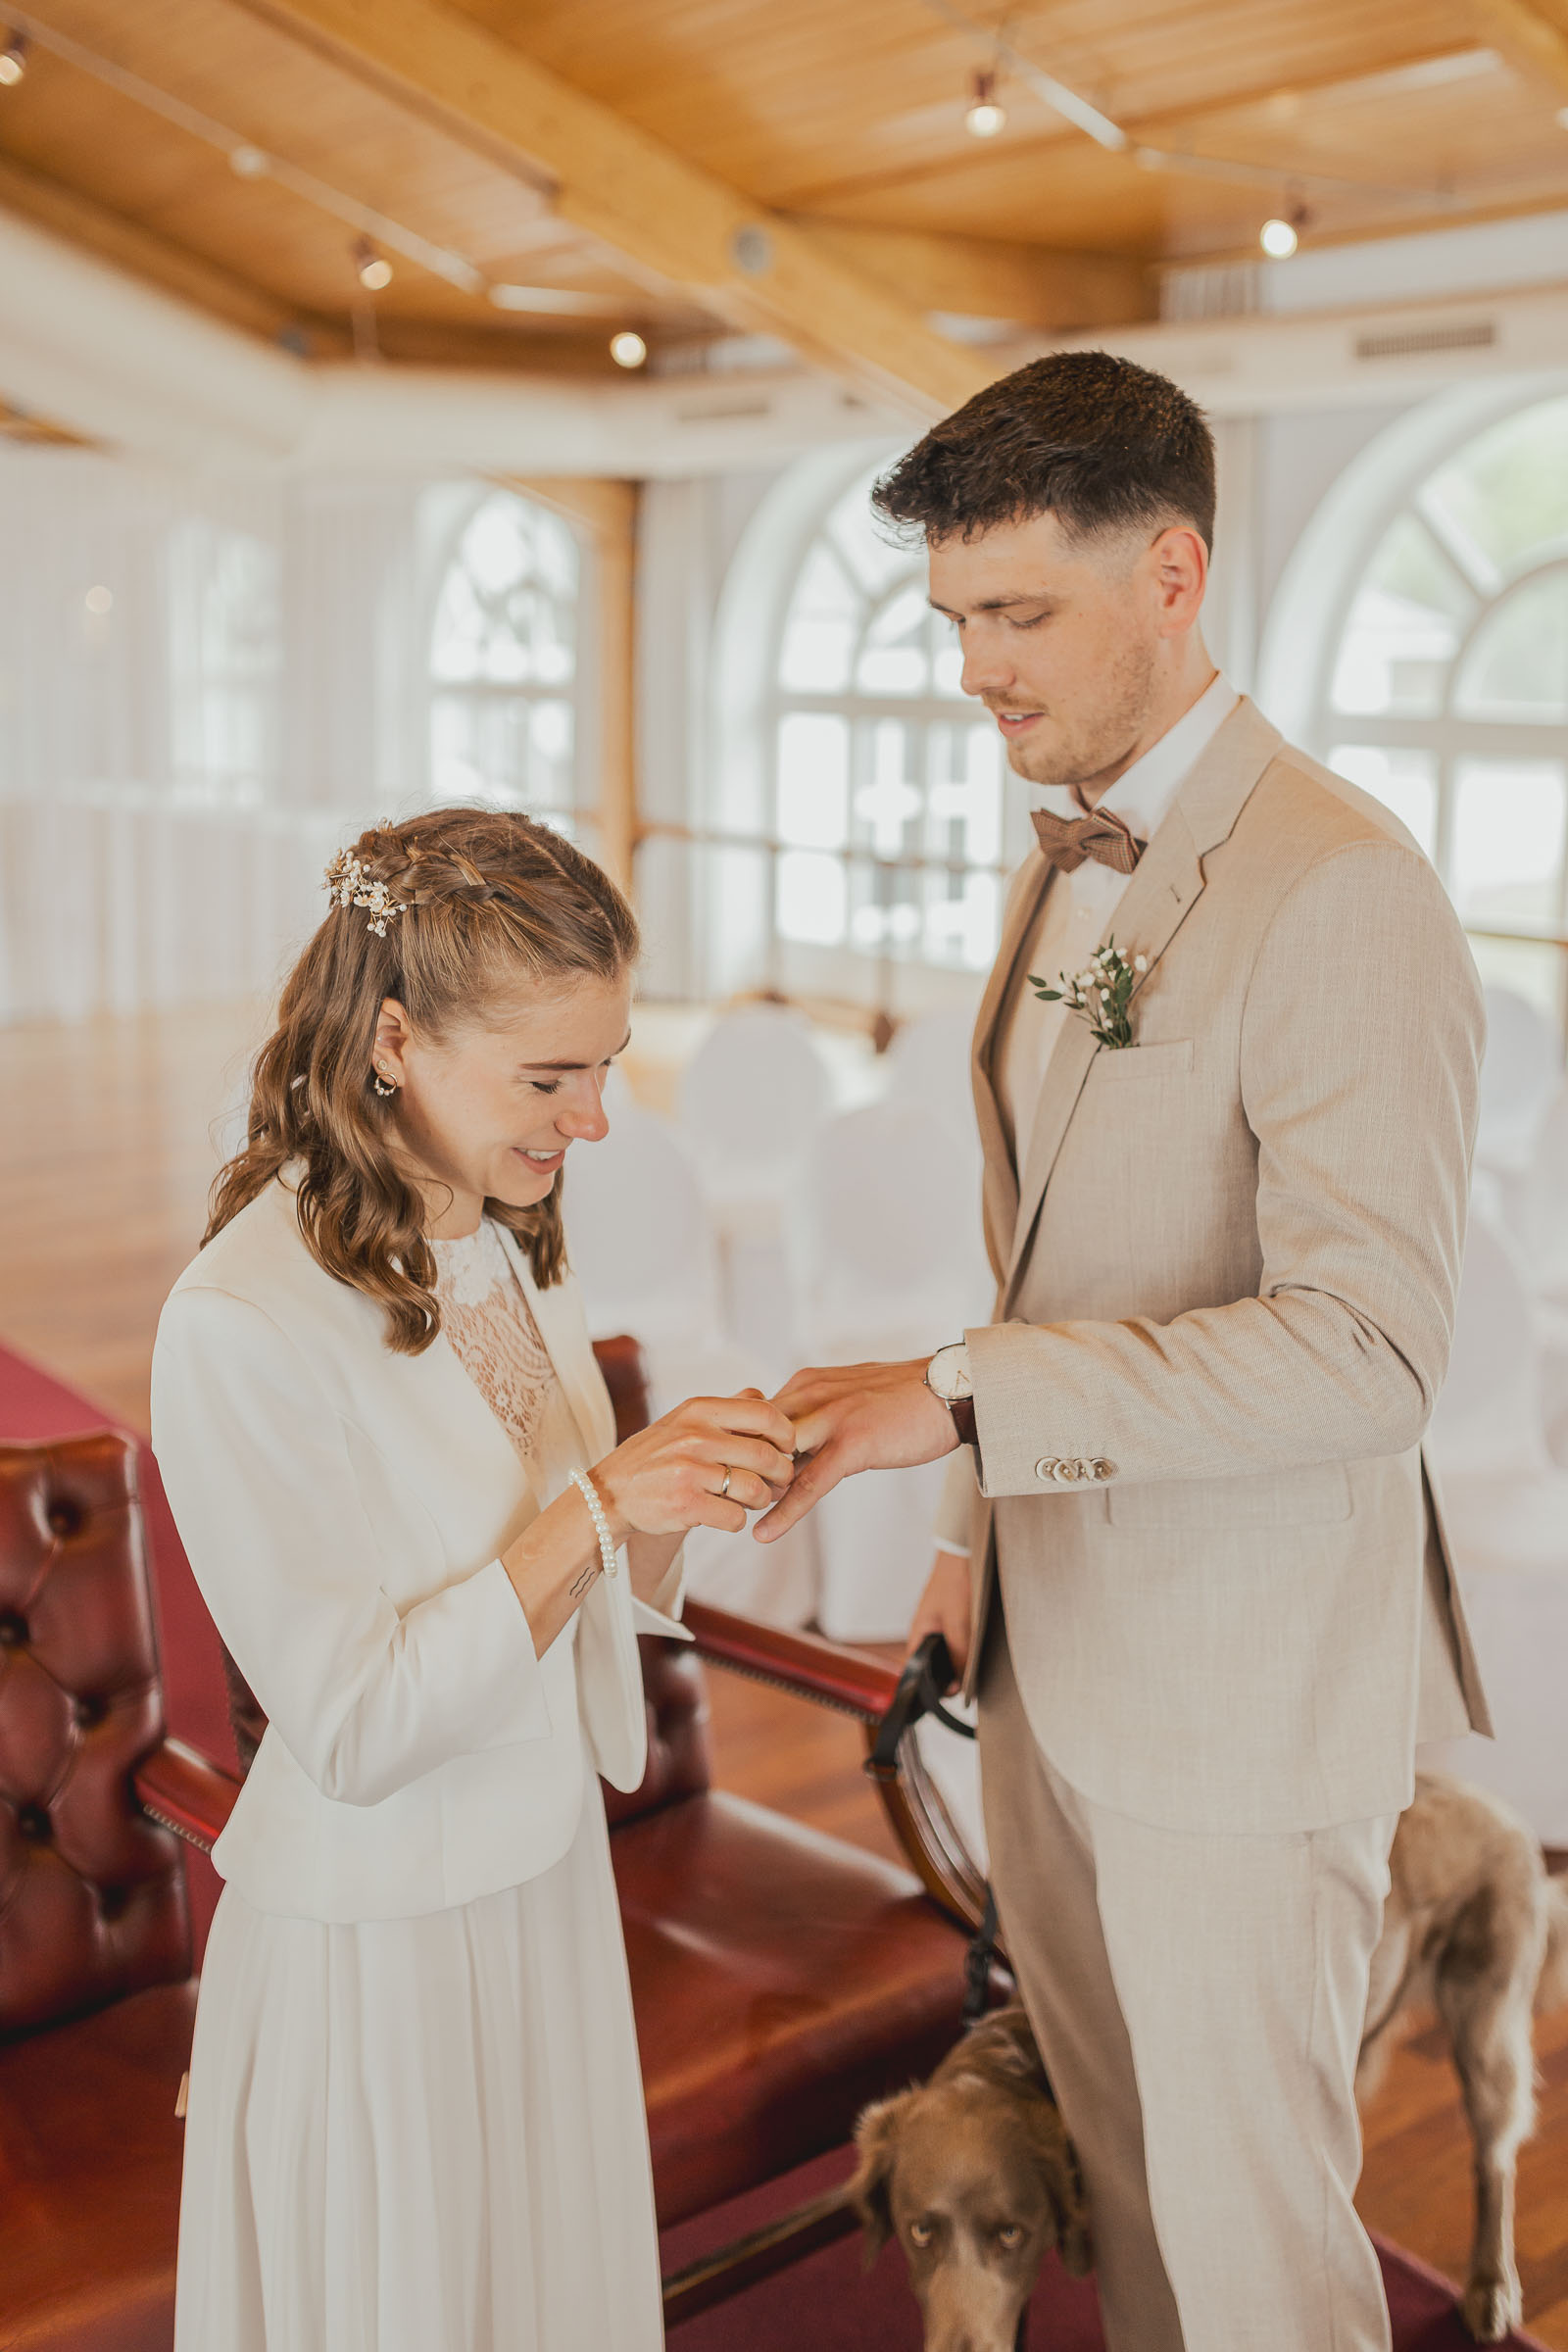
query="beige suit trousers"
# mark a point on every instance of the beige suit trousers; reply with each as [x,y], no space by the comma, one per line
[1199,2000]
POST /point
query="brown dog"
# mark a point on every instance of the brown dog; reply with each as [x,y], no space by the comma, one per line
[1475,1928]
[976,2177]
[975,2174]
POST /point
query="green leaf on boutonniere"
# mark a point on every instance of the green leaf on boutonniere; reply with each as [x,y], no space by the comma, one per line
[1100,994]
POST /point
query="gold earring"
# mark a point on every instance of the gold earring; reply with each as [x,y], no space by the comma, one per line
[383,1083]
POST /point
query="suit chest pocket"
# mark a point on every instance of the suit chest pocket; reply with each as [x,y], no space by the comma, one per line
[1140,1065]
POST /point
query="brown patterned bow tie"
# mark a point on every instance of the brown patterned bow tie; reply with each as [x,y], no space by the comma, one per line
[1068,840]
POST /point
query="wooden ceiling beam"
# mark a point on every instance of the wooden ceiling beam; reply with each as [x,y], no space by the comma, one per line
[129,246]
[223,294]
[989,278]
[757,269]
[1532,42]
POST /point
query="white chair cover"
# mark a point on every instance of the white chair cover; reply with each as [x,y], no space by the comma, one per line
[928,1063]
[1535,1204]
[884,1235]
[641,1241]
[749,1100]
[1521,1070]
[640,1235]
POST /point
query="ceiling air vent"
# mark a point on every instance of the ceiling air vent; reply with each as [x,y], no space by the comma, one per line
[1414,342]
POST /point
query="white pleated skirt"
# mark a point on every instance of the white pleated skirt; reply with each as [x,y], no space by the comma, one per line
[421,2135]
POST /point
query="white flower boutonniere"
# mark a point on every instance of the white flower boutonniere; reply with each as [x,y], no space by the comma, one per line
[1102,994]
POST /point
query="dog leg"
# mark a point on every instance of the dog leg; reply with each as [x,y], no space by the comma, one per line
[1489,2025]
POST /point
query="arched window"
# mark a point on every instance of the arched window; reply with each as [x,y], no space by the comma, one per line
[225,640]
[872,784]
[1444,690]
[503,662]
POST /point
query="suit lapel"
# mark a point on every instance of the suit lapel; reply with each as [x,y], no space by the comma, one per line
[1024,901]
[1166,885]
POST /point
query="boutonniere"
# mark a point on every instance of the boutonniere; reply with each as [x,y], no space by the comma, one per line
[1102,994]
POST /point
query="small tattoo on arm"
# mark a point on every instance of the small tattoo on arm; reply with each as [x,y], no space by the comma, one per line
[584,1581]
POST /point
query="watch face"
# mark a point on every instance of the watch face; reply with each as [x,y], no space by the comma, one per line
[948,1374]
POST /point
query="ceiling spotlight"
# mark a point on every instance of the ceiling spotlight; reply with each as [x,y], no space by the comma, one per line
[628,350]
[99,600]
[985,116]
[373,269]
[1562,117]
[1278,239]
[249,162]
[13,61]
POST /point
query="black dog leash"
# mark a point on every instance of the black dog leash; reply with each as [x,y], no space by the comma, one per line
[927,1673]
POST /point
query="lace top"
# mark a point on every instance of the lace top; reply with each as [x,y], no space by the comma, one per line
[486,1318]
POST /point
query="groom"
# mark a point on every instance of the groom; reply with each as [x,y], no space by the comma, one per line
[1191,1564]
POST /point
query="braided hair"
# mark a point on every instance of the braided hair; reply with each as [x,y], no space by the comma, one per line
[473,911]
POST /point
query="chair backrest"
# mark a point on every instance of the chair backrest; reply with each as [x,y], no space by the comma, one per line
[640,1234]
[755,1086]
[92,1893]
[672,1678]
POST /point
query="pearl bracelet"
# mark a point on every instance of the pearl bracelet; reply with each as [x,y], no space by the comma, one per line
[607,1543]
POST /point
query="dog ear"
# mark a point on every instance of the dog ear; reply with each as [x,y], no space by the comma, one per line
[876,2134]
[1063,2187]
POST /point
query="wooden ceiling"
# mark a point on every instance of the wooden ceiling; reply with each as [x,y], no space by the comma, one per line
[612,182]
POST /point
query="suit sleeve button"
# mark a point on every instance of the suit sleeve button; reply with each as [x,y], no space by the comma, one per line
[1046,1467]
[1103,1469]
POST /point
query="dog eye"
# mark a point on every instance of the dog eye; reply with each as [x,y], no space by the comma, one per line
[921,2233]
[1011,2234]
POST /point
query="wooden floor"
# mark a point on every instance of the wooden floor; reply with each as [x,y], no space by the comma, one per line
[106,1152]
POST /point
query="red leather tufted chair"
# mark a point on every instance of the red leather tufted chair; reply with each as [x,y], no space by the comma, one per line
[780,1977]
[96,2001]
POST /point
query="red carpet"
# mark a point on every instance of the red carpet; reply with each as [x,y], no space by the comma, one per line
[829,2303]
[34,1406]
[828,2299]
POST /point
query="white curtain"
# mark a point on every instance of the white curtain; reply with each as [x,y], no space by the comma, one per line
[205,687]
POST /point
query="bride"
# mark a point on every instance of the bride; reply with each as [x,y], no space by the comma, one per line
[416,2117]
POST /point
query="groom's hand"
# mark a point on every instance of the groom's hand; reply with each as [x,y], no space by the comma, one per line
[851,1417]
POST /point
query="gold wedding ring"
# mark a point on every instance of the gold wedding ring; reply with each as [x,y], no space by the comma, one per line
[725,1489]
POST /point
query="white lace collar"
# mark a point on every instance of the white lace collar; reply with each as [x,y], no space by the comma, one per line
[473,1269]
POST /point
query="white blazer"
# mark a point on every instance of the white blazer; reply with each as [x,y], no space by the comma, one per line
[344,1509]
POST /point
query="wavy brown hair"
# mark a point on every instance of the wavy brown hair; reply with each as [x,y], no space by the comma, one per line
[496,910]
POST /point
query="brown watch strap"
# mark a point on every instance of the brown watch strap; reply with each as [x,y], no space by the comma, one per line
[962,1410]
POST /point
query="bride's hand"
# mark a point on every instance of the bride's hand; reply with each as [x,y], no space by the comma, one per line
[667,1476]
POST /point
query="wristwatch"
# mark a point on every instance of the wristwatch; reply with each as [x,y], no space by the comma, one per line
[947,1376]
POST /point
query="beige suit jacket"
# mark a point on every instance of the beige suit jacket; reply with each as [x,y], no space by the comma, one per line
[1226,1296]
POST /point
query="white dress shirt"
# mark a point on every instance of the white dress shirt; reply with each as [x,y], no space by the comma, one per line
[1078,907]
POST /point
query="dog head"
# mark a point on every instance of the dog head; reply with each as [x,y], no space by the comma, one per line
[975,2177]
